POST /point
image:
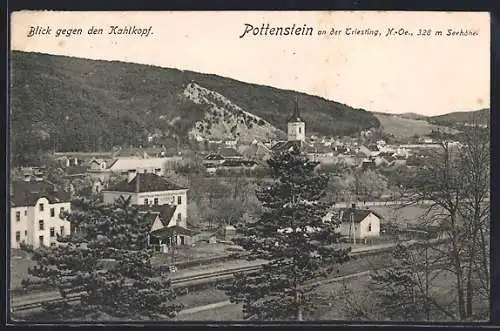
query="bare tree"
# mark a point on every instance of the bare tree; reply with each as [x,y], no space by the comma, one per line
[457,185]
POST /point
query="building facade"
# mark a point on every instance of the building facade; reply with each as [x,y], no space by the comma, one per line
[149,189]
[36,214]
[359,223]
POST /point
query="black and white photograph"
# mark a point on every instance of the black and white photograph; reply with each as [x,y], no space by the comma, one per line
[249,166]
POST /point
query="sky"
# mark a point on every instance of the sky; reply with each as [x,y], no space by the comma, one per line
[429,75]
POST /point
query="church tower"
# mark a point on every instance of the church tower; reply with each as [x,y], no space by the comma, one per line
[296,126]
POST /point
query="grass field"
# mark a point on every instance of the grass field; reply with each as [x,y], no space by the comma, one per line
[226,313]
[361,298]
[407,128]
[193,253]
[406,215]
[331,303]
[202,298]
[19,264]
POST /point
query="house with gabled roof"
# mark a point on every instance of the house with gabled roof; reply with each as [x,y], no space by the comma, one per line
[35,210]
[358,223]
[103,169]
[151,193]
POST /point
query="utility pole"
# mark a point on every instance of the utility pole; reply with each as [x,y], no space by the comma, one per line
[427,311]
[352,226]
[173,242]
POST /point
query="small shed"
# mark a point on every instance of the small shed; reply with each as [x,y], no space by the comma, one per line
[229,232]
[212,239]
[174,235]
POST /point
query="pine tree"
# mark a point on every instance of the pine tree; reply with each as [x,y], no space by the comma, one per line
[293,237]
[107,260]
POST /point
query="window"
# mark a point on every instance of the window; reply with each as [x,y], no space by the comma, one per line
[25,212]
[25,232]
[40,239]
[18,236]
[369,228]
[179,200]
[61,210]
[179,218]
[40,207]
[52,212]
[40,224]
[52,232]
[146,201]
[300,129]
[156,201]
[18,216]
[52,244]
[62,230]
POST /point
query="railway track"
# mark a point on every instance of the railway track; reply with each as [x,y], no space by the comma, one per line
[177,282]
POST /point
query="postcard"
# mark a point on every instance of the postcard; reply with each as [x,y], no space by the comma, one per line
[249,166]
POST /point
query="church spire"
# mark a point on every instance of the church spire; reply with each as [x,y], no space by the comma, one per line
[296,112]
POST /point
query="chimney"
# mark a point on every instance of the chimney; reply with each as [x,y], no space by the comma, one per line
[137,182]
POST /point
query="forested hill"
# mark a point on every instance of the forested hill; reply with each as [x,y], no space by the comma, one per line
[481,116]
[81,105]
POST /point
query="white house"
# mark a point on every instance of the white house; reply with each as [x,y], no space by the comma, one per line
[35,209]
[360,223]
[149,189]
[102,169]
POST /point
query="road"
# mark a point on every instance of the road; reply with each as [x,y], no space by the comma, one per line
[361,204]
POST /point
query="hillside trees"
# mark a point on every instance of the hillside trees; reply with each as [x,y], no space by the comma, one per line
[106,260]
[292,237]
[370,184]
[94,108]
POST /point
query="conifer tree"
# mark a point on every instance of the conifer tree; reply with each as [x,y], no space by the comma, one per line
[293,237]
[107,261]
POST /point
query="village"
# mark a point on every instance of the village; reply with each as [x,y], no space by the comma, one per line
[181,233]
[171,174]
